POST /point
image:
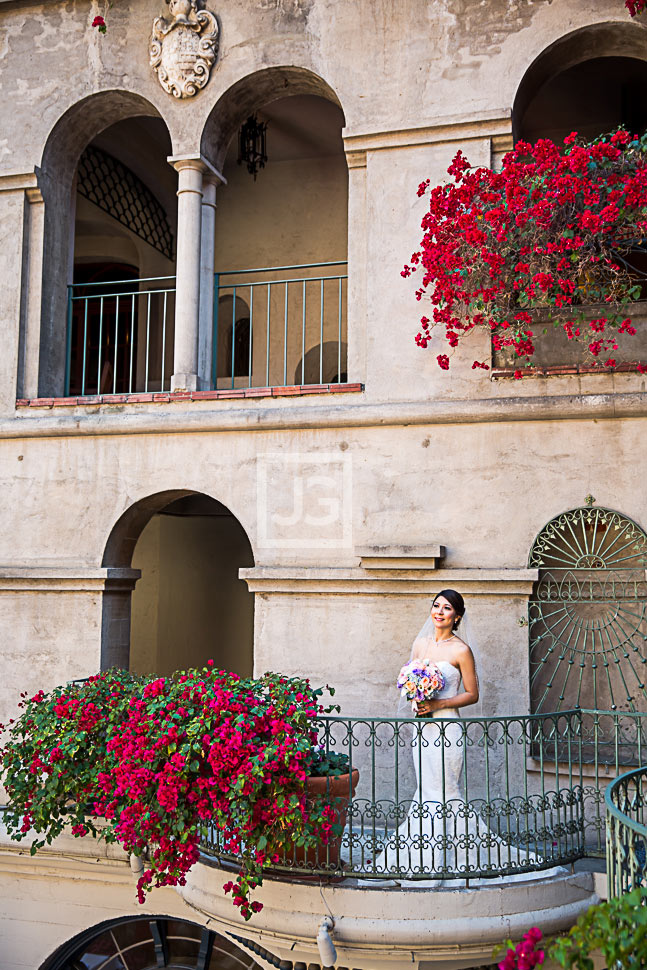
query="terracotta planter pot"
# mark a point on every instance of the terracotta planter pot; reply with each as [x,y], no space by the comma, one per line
[337,789]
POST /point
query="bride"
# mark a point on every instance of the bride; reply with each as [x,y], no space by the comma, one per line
[443,831]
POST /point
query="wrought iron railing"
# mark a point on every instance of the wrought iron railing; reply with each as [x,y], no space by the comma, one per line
[448,799]
[120,336]
[280,325]
[626,800]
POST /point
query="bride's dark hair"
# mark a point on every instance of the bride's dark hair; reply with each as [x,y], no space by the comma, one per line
[457,602]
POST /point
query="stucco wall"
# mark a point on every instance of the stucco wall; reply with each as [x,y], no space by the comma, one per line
[189,605]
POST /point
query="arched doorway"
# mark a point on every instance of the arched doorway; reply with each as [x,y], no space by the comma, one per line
[281,238]
[109,200]
[148,943]
[189,605]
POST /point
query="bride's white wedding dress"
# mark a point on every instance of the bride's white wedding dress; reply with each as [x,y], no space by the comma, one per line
[443,832]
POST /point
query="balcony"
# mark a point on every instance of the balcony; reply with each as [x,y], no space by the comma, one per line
[516,838]
[269,328]
[508,845]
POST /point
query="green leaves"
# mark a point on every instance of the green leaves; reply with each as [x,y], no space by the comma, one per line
[616,929]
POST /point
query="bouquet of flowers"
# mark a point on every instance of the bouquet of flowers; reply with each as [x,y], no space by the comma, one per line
[420,680]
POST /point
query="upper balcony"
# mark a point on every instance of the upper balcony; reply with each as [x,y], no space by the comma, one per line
[166,294]
[271,328]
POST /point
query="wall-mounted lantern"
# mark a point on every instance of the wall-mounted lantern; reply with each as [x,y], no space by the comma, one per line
[251,145]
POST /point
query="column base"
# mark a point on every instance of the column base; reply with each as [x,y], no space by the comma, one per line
[184,382]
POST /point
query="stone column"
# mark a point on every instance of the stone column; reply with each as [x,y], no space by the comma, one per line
[207,255]
[33,280]
[357,263]
[15,276]
[190,169]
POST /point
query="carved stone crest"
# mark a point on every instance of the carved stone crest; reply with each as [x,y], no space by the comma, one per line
[184,47]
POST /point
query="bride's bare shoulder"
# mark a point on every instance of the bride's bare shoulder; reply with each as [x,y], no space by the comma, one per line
[462,648]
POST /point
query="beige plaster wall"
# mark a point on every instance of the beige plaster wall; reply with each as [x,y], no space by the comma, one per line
[295,212]
[416,82]
[454,61]
[484,491]
[189,605]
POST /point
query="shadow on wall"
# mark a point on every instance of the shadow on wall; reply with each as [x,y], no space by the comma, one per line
[189,605]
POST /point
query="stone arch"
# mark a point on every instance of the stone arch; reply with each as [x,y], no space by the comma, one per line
[141,936]
[184,548]
[73,131]
[610,39]
[247,94]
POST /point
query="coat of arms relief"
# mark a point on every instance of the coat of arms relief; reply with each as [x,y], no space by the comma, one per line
[184,47]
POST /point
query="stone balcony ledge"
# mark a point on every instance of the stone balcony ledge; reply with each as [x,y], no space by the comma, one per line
[281,412]
[381,926]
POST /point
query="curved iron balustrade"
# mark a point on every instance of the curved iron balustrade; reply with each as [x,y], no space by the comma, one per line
[626,800]
[519,810]
[588,614]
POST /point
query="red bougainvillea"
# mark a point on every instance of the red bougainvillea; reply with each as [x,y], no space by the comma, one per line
[635,6]
[155,765]
[543,240]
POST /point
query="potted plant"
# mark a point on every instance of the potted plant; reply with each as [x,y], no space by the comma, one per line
[163,760]
[549,233]
[329,782]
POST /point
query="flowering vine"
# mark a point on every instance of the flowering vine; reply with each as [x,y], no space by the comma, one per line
[615,930]
[152,763]
[635,6]
[544,240]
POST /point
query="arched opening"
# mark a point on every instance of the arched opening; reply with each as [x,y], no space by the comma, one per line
[148,943]
[189,605]
[591,81]
[281,237]
[234,343]
[324,364]
[109,206]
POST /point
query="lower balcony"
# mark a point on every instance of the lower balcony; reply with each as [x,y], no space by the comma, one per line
[460,832]
[457,834]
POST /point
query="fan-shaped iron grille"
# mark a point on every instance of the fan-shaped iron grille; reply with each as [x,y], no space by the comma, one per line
[588,613]
[115,189]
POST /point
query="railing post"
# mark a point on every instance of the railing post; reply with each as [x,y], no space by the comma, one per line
[68,341]
[190,169]
[214,339]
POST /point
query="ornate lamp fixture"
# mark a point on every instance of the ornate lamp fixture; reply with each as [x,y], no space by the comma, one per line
[251,145]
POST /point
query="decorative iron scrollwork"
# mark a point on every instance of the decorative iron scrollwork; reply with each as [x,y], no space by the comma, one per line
[588,614]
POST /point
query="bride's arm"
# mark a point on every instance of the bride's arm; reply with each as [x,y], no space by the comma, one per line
[470,695]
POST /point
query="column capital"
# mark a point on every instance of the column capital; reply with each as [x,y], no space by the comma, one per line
[199,163]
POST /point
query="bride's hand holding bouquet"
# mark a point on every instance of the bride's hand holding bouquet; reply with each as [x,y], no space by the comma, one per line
[420,681]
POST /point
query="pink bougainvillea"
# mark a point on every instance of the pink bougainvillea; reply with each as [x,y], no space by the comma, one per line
[635,6]
[162,760]
[542,240]
[525,955]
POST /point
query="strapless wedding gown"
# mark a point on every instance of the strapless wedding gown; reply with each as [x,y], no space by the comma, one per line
[443,832]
